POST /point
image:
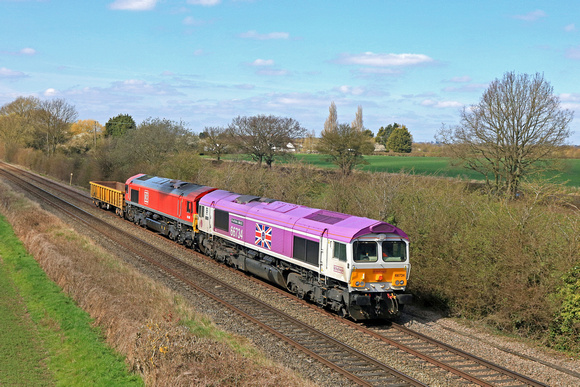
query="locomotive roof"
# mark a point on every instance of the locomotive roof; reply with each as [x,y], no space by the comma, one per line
[169,186]
[336,226]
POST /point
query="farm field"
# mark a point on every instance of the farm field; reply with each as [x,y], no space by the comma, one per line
[435,166]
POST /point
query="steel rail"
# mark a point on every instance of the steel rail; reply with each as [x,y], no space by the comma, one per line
[113,233]
[406,348]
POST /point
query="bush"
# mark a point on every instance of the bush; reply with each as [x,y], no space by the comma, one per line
[565,328]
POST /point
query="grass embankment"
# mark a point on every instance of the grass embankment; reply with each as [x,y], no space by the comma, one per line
[45,338]
[161,337]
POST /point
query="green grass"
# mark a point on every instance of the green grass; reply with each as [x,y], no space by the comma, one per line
[53,342]
[21,352]
[435,166]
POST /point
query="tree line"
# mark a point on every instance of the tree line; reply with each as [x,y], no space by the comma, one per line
[50,126]
[511,134]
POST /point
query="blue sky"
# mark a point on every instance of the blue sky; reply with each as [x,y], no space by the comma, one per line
[205,62]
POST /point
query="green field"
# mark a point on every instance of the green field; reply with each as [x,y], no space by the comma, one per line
[435,166]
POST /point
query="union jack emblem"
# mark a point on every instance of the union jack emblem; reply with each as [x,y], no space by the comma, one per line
[263,236]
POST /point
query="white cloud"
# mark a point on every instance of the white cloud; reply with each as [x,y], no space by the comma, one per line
[570,97]
[263,62]
[463,79]
[384,60]
[140,87]
[302,100]
[28,51]
[133,5]
[441,104]
[50,92]
[466,88]
[345,89]
[271,35]
[570,27]
[245,86]
[531,16]
[205,3]
[12,74]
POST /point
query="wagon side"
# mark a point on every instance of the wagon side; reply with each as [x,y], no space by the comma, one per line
[107,194]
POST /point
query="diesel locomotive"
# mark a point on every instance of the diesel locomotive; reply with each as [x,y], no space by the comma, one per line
[355,266]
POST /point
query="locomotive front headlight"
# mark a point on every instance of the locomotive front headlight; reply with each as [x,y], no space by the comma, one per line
[357,283]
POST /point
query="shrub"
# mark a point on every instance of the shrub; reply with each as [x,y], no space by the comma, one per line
[565,328]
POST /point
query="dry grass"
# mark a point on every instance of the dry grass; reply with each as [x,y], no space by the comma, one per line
[141,319]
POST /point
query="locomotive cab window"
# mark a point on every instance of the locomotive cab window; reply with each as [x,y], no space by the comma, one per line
[365,251]
[394,251]
[340,251]
[189,207]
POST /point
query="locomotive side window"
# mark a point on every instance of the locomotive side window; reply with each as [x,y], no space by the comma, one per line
[394,251]
[340,251]
[222,220]
[306,250]
[189,207]
[365,251]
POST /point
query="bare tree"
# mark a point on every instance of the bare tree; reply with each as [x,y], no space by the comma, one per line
[215,140]
[511,133]
[331,122]
[358,121]
[53,121]
[344,144]
[264,137]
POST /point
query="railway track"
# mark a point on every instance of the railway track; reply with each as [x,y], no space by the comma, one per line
[346,360]
[352,364]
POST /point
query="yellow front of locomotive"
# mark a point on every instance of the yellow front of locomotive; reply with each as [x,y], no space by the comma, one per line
[379,276]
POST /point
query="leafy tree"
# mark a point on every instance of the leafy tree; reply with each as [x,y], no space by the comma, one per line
[264,137]
[87,126]
[16,123]
[344,144]
[85,134]
[400,140]
[119,125]
[384,133]
[215,140]
[369,133]
[511,133]
[52,124]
